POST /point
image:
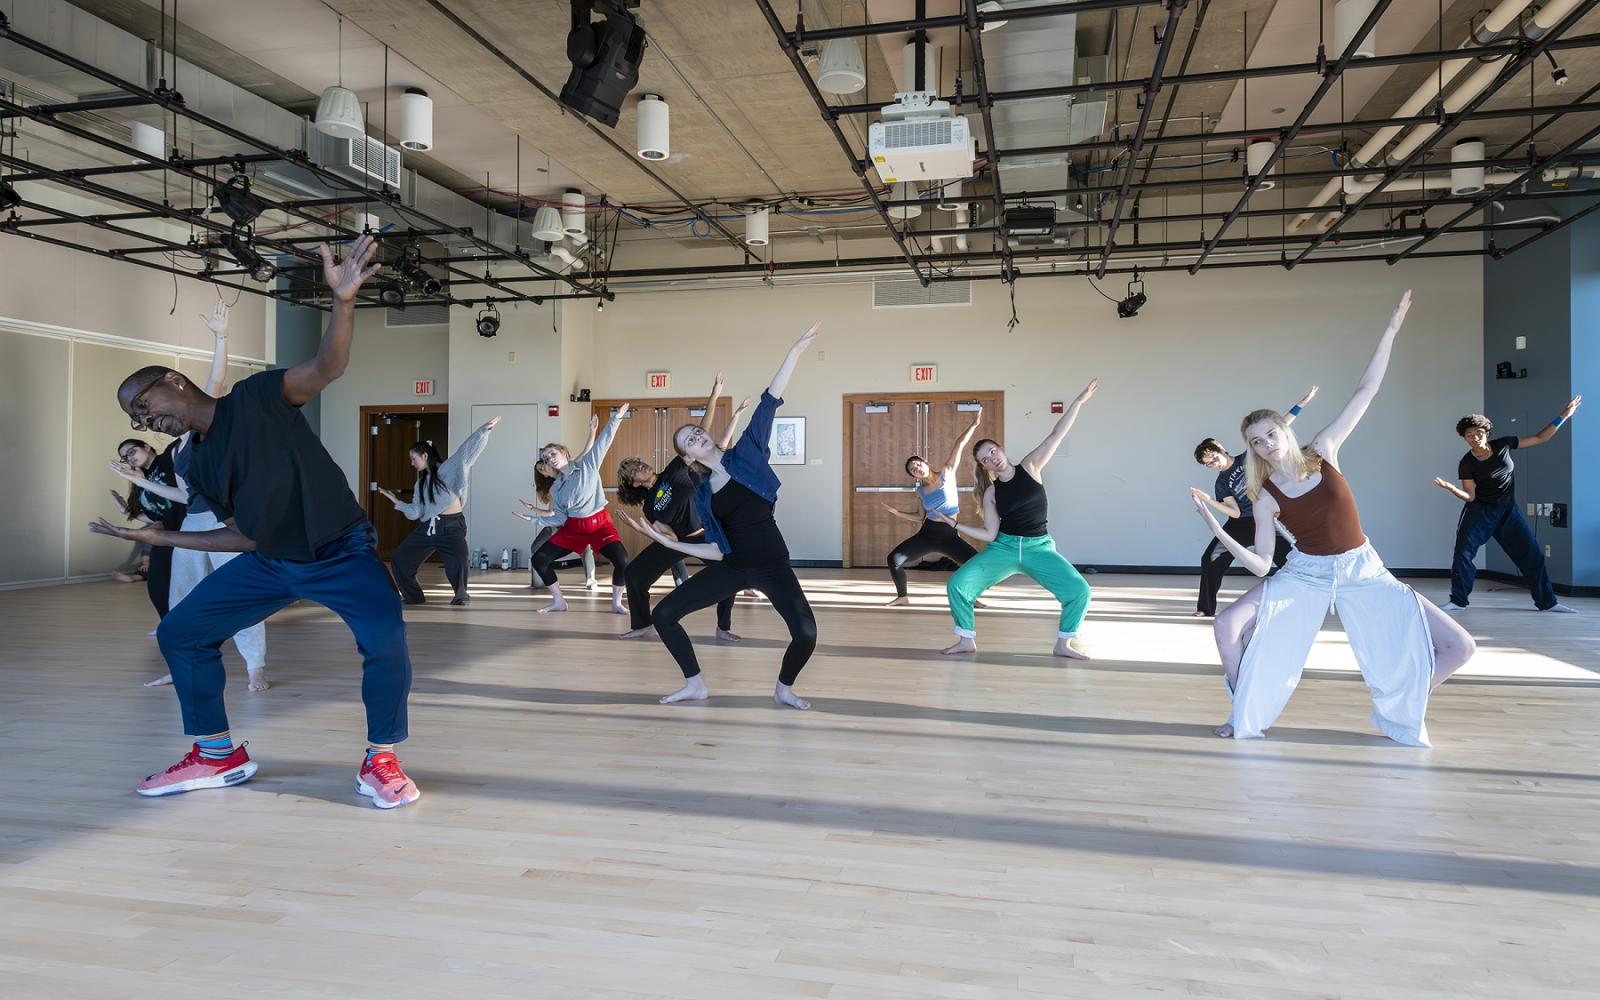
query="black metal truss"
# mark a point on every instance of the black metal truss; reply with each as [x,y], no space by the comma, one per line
[980,74]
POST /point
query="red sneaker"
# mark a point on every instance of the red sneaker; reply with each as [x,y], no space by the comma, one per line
[195,771]
[381,779]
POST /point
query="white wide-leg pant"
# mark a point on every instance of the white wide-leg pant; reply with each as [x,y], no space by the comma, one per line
[1383,619]
[190,566]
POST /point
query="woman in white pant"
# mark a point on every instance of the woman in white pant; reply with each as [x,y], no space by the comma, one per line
[1404,645]
[190,566]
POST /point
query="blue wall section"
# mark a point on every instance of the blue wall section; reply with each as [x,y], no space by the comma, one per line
[1583,434]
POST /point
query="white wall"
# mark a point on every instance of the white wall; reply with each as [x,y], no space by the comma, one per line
[1203,352]
[385,364]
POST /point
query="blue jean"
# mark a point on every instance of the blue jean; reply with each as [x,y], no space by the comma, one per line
[346,577]
[1506,525]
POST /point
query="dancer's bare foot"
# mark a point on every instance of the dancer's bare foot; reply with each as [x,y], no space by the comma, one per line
[723,635]
[979,605]
[648,632]
[693,690]
[258,679]
[1225,731]
[783,694]
[1201,614]
[159,681]
[899,602]
[121,577]
[559,604]
[962,645]
[1064,648]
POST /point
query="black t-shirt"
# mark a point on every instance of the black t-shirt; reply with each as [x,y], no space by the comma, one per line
[1494,475]
[751,528]
[167,513]
[263,466]
[672,501]
[1022,505]
[1232,482]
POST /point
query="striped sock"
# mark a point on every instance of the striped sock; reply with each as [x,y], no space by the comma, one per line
[215,747]
[373,748]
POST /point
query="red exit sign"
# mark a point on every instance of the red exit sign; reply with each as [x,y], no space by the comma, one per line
[658,380]
[924,374]
[424,387]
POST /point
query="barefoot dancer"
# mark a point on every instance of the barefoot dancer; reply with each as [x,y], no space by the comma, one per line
[1404,645]
[667,502]
[1230,497]
[936,491]
[190,566]
[744,548]
[285,505]
[1488,487]
[439,503]
[1014,506]
[577,510]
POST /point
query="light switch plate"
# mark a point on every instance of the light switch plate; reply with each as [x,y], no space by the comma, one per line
[1522,343]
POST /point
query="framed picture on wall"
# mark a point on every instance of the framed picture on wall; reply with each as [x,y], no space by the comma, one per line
[788,444]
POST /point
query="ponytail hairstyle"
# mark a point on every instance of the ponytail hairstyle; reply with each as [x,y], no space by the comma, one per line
[628,494]
[428,478]
[1302,459]
[542,480]
[132,508]
[982,478]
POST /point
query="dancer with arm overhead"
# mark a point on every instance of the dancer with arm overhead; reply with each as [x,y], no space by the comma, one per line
[530,511]
[1488,492]
[439,503]
[1404,645]
[937,495]
[577,501]
[1014,506]
[743,548]
[154,498]
[286,506]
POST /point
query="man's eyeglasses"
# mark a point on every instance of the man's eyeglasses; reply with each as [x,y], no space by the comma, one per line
[138,408]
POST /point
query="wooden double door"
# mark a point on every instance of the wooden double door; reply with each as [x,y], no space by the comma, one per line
[882,431]
[387,434]
[646,433]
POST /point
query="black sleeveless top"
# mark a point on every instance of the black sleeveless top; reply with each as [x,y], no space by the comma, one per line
[1021,504]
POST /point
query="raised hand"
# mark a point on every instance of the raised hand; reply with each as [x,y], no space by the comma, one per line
[807,337]
[643,527]
[744,404]
[104,527]
[1400,311]
[1572,408]
[217,322]
[717,383]
[345,277]
[622,411]
[594,423]
[1089,390]
[126,471]
[1309,396]
[492,424]
[1201,502]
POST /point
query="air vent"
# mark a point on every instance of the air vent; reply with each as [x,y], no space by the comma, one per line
[928,132]
[898,293]
[382,162]
[420,315]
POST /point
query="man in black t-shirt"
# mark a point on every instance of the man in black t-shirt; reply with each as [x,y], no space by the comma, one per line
[286,506]
[1488,486]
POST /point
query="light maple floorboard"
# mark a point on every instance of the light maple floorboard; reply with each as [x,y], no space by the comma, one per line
[1009,826]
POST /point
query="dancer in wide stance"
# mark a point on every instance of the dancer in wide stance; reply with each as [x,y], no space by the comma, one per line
[1015,510]
[1404,645]
[154,498]
[577,511]
[744,548]
[1488,489]
[439,503]
[1231,498]
[667,502]
[284,503]
[190,566]
[936,495]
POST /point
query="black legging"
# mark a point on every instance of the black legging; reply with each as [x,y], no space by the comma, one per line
[547,553]
[1216,559]
[449,539]
[158,578]
[718,582]
[933,537]
[645,568]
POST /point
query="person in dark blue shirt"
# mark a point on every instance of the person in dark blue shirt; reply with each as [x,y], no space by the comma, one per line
[734,498]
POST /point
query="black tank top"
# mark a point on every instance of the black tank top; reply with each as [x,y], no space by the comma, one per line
[1021,504]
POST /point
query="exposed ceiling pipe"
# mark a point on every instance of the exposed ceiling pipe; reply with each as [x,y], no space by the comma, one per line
[1436,182]
[1503,15]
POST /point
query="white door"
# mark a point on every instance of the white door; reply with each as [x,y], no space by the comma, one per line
[502,475]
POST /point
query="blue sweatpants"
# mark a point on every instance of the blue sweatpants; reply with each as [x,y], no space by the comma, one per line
[1506,525]
[346,577]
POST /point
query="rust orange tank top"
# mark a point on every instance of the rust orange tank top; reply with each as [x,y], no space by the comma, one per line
[1323,519]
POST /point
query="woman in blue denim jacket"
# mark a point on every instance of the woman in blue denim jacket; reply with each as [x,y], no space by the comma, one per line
[743,548]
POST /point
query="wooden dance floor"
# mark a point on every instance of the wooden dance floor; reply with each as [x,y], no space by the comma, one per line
[1012,827]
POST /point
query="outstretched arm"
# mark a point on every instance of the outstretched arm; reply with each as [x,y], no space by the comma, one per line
[1036,459]
[1294,411]
[726,441]
[1329,439]
[1466,491]
[700,550]
[303,382]
[177,494]
[991,521]
[224,539]
[1266,542]
[217,323]
[595,453]
[711,404]
[961,444]
[780,381]
[1553,426]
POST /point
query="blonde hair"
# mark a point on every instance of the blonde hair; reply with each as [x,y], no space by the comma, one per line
[982,478]
[1303,459]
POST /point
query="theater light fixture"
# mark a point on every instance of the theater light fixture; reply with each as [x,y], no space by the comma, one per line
[1129,307]
[489,321]
[236,201]
[9,199]
[237,243]
[605,57]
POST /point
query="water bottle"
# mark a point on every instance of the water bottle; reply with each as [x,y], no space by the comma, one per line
[483,560]
[505,559]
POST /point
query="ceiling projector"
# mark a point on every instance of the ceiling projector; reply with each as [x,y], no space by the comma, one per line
[919,140]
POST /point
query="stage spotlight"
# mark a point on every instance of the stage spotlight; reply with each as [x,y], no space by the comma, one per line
[1130,306]
[605,57]
[236,201]
[1557,74]
[392,293]
[9,199]
[237,243]
[489,321]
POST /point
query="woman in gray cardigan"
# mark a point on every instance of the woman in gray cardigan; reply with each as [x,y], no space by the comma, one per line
[439,502]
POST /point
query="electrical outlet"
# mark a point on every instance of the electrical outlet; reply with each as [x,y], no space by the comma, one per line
[511,355]
[1547,508]
[1522,343]
[1547,551]
[1533,510]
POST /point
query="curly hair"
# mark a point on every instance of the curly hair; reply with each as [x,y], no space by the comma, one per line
[628,494]
[1472,420]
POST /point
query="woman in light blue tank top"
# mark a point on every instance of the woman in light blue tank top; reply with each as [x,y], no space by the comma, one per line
[936,492]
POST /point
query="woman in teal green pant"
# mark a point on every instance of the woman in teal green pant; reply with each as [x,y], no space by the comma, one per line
[1014,508]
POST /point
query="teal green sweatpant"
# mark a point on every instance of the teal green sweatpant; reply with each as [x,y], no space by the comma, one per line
[1007,555]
